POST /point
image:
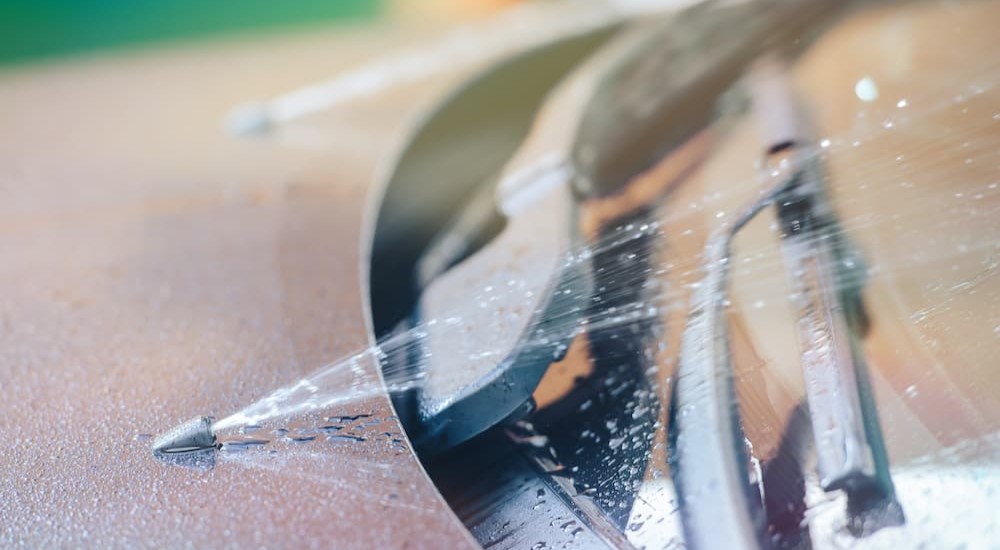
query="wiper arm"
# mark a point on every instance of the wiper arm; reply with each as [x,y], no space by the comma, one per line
[719,507]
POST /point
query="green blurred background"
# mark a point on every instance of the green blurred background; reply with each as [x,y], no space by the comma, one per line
[36,29]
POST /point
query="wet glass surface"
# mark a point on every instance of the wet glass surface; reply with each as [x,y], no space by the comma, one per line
[888,271]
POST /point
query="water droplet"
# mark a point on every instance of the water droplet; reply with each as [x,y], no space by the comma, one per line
[345,438]
[241,445]
[902,103]
[347,418]
[866,90]
[911,392]
[250,428]
[825,143]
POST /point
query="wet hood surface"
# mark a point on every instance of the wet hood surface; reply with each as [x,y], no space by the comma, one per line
[155,269]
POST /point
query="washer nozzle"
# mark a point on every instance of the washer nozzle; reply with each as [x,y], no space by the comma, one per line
[193,436]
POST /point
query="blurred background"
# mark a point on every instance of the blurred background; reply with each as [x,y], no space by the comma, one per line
[33,30]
